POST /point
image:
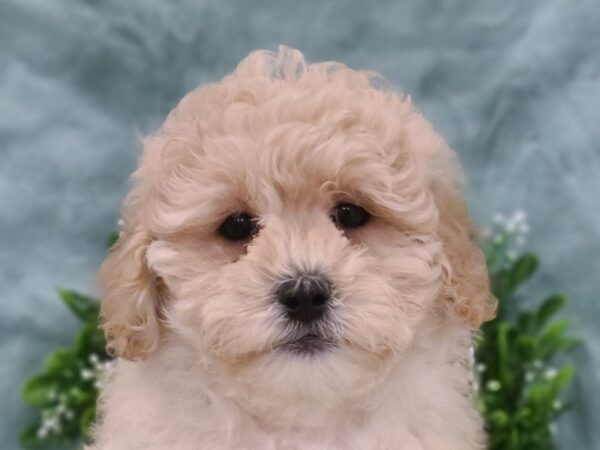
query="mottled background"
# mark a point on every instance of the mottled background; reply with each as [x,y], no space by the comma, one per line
[513,85]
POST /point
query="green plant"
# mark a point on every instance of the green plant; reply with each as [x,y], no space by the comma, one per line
[519,377]
[65,391]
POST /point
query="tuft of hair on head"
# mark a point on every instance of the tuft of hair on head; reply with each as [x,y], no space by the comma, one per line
[289,64]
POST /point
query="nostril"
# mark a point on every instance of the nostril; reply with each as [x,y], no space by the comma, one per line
[291,301]
[319,300]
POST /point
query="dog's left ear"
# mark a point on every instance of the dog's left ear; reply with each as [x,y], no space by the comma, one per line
[466,291]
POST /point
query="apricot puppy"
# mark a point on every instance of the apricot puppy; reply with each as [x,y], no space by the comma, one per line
[296,270]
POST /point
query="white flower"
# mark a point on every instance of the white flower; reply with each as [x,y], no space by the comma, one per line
[94,359]
[557,404]
[529,377]
[87,374]
[493,385]
[552,428]
[516,222]
[519,215]
[52,423]
[550,373]
[481,368]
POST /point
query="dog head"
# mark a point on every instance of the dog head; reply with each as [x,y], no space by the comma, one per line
[298,227]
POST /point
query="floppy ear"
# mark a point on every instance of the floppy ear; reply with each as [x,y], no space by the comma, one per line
[129,312]
[466,292]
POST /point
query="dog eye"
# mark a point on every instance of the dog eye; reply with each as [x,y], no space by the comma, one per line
[238,227]
[348,215]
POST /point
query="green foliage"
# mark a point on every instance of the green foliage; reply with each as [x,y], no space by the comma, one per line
[520,381]
[112,239]
[65,390]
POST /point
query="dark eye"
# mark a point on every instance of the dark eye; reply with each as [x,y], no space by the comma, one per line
[348,215]
[238,227]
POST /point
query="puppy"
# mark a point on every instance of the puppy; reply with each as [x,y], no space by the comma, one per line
[296,270]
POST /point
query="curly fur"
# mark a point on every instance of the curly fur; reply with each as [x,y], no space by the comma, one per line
[192,315]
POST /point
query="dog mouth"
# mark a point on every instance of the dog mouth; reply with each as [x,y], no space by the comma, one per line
[309,344]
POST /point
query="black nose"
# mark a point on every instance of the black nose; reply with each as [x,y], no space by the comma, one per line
[305,298]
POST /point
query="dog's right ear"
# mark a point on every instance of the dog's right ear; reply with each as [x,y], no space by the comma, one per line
[129,312]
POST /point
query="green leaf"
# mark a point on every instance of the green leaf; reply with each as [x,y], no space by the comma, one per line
[85,308]
[112,239]
[90,339]
[526,321]
[85,396]
[522,269]
[501,290]
[499,418]
[60,360]
[38,390]
[526,346]
[549,308]
[564,377]
[503,346]
[87,418]
[28,436]
[569,343]
[553,338]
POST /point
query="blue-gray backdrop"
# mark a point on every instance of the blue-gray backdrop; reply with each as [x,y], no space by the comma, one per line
[513,85]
